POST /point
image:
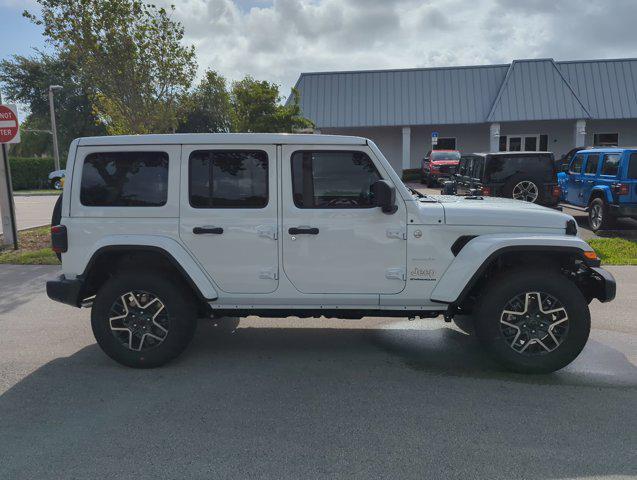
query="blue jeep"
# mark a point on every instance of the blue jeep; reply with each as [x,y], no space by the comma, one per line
[603,181]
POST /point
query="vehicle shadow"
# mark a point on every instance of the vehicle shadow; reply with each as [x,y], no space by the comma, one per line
[19,284]
[317,403]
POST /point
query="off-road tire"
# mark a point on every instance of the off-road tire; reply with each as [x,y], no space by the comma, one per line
[501,289]
[599,207]
[178,300]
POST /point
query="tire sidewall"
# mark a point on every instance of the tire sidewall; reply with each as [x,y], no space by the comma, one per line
[506,287]
[177,301]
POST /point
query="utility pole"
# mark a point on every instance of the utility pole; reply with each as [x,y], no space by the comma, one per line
[54,132]
[7,207]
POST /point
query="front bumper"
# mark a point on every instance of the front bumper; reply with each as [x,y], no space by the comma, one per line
[603,285]
[64,290]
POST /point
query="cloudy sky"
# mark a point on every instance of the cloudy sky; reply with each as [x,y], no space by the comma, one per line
[276,40]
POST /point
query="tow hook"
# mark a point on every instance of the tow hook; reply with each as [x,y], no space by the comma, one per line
[448,316]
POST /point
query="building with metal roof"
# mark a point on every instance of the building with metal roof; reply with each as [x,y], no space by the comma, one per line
[535,104]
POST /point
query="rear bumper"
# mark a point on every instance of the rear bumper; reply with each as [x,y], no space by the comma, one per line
[603,285]
[65,291]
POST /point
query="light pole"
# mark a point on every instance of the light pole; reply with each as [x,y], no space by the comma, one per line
[56,152]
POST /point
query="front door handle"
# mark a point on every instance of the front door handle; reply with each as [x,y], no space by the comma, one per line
[207,229]
[303,231]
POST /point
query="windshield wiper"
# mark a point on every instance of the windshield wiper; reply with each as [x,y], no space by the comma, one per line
[416,192]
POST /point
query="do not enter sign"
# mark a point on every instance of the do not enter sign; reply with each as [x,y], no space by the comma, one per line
[9,125]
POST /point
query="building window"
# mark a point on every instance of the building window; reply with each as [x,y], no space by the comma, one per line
[448,143]
[527,143]
[606,139]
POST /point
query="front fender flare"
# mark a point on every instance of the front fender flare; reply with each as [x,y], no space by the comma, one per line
[476,256]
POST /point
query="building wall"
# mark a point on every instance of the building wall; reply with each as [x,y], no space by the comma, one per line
[561,133]
[475,137]
[627,130]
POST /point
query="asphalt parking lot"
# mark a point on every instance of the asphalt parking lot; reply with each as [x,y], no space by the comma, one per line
[376,398]
[33,210]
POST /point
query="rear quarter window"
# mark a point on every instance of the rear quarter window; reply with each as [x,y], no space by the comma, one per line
[499,168]
[632,166]
[124,179]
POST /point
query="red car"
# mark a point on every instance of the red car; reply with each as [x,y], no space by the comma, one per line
[439,165]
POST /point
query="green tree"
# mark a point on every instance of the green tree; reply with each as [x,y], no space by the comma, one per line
[127,54]
[257,107]
[26,80]
[207,108]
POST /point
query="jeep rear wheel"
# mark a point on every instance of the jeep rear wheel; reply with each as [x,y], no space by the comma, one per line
[532,321]
[599,218]
[143,320]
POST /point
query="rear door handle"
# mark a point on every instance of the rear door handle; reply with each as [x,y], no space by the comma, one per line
[207,229]
[303,231]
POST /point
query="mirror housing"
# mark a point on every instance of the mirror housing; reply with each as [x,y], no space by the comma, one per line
[385,196]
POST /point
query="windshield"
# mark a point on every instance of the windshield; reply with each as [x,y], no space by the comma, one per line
[445,155]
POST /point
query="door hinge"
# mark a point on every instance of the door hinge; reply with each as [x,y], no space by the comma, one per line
[267,231]
[397,273]
[400,233]
[269,274]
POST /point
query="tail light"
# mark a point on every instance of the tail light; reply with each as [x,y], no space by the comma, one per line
[486,191]
[556,191]
[59,239]
[621,188]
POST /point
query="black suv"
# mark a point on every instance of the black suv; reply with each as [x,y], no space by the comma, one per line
[528,176]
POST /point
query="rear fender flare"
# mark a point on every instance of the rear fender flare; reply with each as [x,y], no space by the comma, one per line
[173,250]
[603,191]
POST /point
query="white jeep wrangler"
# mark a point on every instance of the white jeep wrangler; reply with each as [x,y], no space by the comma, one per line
[156,231]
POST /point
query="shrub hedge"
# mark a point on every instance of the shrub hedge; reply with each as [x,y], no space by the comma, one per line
[28,173]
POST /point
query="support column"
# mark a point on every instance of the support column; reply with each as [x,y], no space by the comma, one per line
[580,133]
[406,148]
[494,137]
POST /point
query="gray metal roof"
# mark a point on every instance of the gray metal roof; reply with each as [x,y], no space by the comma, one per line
[523,90]
[535,90]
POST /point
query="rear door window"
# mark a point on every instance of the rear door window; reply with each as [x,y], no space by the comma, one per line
[591,164]
[610,165]
[124,179]
[228,179]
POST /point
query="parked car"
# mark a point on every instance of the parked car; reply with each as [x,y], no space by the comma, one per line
[438,165]
[527,176]
[56,179]
[602,181]
[156,231]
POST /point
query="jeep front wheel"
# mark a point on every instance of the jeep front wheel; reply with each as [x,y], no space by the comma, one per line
[533,321]
[143,320]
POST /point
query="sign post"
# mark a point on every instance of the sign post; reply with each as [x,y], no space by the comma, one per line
[434,139]
[9,133]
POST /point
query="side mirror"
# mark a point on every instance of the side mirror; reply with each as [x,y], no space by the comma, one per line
[385,195]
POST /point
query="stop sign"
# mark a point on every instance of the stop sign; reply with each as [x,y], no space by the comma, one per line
[9,126]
